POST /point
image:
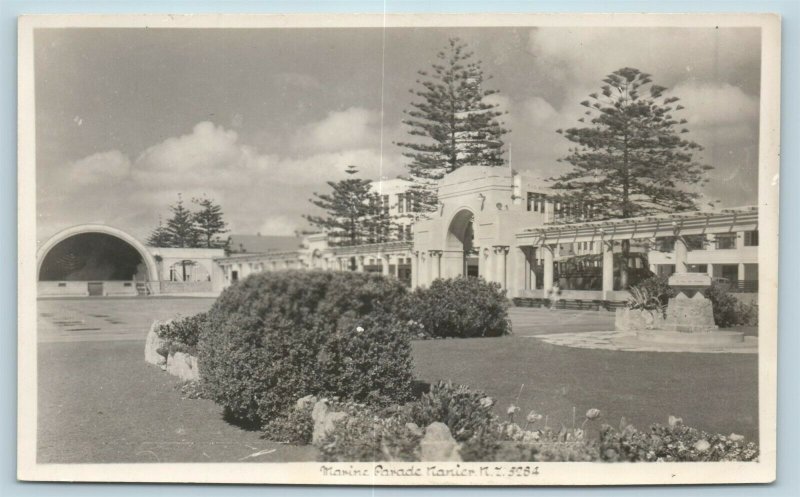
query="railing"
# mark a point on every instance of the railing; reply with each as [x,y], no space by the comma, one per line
[743,286]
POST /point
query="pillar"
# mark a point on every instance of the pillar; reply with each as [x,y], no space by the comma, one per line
[680,255]
[436,258]
[501,276]
[360,263]
[415,270]
[740,275]
[608,268]
[547,252]
[385,265]
[521,271]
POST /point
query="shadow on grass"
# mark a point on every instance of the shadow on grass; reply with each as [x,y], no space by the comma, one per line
[244,424]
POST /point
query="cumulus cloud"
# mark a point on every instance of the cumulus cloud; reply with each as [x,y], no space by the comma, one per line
[351,128]
[98,168]
[583,55]
[211,160]
[279,225]
[710,104]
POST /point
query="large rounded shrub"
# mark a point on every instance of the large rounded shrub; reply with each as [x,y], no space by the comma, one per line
[462,307]
[275,337]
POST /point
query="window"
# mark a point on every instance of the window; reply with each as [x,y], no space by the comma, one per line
[385,202]
[401,199]
[726,242]
[536,202]
[751,238]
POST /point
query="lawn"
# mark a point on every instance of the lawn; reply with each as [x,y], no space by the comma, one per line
[714,392]
[100,402]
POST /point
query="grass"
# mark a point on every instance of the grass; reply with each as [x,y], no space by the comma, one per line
[100,402]
[713,392]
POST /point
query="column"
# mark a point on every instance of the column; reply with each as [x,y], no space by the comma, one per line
[680,255]
[385,265]
[608,268]
[547,252]
[741,273]
[415,270]
[437,263]
[396,273]
[502,273]
[522,270]
[360,263]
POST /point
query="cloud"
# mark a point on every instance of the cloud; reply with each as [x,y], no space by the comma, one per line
[584,55]
[279,226]
[709,104]
[98,168]
[212,160]
[351,128]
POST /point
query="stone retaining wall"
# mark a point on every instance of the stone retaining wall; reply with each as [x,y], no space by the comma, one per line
[636,319]
[179,364]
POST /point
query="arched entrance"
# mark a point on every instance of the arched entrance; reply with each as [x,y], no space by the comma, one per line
[95,260]
[461,257]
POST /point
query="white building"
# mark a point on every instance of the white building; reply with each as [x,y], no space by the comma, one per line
[505,227]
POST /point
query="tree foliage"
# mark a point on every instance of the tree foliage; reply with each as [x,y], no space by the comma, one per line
[452,125]
[630,157]
[187,229]
[354,212]
[209,222]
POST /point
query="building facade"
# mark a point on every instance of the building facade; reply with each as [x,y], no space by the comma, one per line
[491,222]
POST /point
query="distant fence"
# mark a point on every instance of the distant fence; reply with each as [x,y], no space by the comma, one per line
[743,286]
[186,287]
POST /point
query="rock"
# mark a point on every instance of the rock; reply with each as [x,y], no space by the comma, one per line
[324,420]
[151,345]
[304,402]
[438,444]
[413,428]
[184,366]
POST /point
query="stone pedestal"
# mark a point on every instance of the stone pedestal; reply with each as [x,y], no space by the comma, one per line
[690,315]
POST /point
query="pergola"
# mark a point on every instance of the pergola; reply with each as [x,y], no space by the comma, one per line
[677,225]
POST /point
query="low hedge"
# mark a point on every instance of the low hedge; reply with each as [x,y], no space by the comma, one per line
[182,334]
[275,337]
[462,307]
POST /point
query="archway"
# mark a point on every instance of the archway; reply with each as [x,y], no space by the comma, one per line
[460,257]
[95,253]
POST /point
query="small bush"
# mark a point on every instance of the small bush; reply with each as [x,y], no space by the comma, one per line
[462,308]
[295,426]
[368,359]
[366,436]
[464,411]
[651,294]
[275,337]
[672,444]
[728,310]
[182,335]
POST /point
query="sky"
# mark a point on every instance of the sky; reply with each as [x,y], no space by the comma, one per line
[259,119]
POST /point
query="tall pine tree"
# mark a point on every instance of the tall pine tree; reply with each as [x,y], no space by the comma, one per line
[209,222]
[354,213]
[630,158]
[160,236]
[181,226]
[452,125]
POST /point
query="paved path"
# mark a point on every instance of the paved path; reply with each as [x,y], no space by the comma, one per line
[530,321]
[103,318]
[627,341]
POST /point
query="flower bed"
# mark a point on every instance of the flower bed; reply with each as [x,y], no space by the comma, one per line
[454,423]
